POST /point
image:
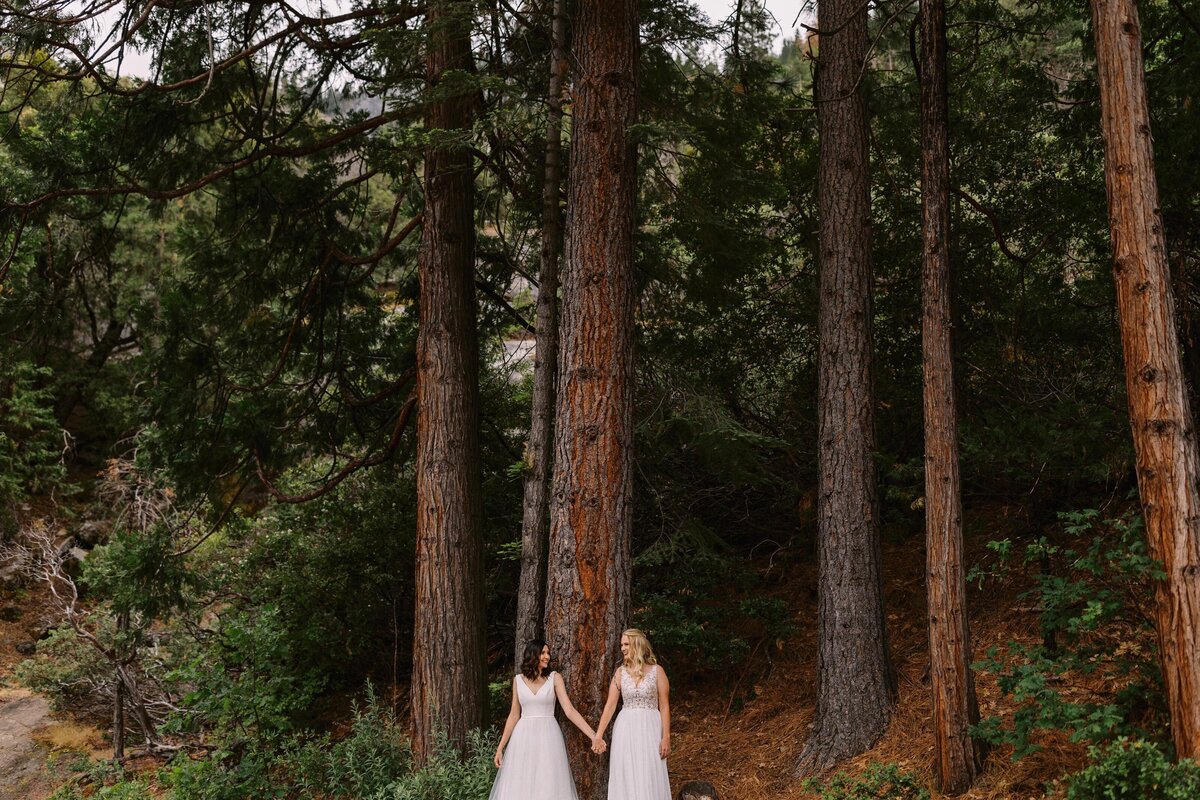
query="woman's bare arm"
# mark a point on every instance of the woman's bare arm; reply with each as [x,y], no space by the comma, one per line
[610,708]
[664,708]
[564,700]
[514,715]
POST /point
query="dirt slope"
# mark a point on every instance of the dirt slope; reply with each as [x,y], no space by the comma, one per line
[749,753]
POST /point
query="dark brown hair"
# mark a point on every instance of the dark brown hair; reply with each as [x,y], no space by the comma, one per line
[530,666]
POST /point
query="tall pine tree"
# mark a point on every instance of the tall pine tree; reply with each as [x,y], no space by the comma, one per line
[854,678]
[1164,434]
[591,512]
[953,686]
[449,682]
[535,517]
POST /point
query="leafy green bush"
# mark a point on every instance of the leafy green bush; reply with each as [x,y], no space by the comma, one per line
[139,572]
[361,765]
[499,700]
[101,780]
[447,775]
[877,782]
[31,443]
[372,762]
[331,570]
[66,670]
[247,679]
[122,790]
[226,774]
[1134,770]
[310,597]
[1091,592]
[692,609]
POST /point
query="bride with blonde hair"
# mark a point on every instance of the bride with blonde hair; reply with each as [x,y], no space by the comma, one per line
[641,739]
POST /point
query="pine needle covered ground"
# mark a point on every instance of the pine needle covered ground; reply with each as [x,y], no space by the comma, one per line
[751,753]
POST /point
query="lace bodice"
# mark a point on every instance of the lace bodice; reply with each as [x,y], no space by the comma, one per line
[539,703]
[642,695]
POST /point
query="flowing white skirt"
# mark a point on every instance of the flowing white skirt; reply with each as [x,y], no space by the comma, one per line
[534,764]
[635,771]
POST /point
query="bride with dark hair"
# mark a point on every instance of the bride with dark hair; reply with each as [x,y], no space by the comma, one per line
[532,756]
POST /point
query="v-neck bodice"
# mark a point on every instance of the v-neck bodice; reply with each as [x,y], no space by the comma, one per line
[539,703]
[643,695]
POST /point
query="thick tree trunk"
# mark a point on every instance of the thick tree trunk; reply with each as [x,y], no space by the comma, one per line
[119,700]
[1164,440]
[854,681]
[118,720]
[448,685]
[1189,329]
[535,513]
[592,500]
[954,707]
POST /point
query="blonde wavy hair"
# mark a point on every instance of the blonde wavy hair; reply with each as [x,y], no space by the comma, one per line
[641,655]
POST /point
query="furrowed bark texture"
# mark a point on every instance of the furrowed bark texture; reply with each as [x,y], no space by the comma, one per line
[592,498]
[955,710]
[448,684]
[535,520]
[1164,438]
[119,700]
[854,681]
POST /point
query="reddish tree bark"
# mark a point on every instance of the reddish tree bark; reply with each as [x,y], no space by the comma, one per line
[1164,437]
[854,680]
[448,685]
[955,709]
[592,498]
[535,521]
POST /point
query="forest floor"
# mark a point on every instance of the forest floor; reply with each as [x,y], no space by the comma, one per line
[36,745]
[751,752]
[21,758]
[742,733]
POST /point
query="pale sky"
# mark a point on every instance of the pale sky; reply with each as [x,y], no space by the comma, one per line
[784,11]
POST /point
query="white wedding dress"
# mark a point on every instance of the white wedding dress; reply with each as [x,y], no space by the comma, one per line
[635,770]
[534,765]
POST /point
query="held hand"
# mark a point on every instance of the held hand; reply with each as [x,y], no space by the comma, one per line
[598,745]
[664,748]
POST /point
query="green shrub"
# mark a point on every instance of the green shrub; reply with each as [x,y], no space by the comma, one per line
[688,610]
[1090,586]
[372,762]
[447,775]
[67,670]
[332,571]
[878,782]
[499,699]
[31,442]
[123,790]
[101,780]
[236,773]
[361,765]
[248,679]
[1134,770]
